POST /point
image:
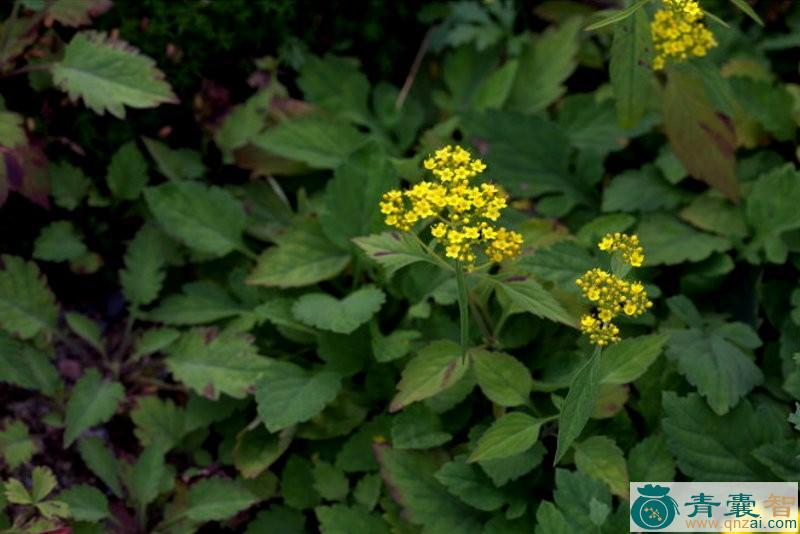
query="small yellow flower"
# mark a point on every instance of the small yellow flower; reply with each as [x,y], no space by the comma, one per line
[678,33]
[464,211]
[627,245]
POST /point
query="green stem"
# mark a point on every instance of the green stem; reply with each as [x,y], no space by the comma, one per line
[463,307]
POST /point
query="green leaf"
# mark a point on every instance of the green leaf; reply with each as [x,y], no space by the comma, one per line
[705,445]
[24,366]
[716,215]
[368,491]
[211,364]
[342,316]
[175,163]
[143,275]
[297,484]
[468,483]
[158,422]
[418,427]
[101,461]
[579,498]
[43,482]
[511,434]
[93,401]
[16,493]
[550,520]
[208,219]
[562,262]
[544,65]
[766,103]
[12,131]
[721,371]
[627,360]
[651,460]
[691,121]
[352,197]
[579,404]
[394,346]
[321,143]
[198,303]
[330,482]
[257,449]
[618,16]
[110,74]
[435,368]
[771,212]
[641,190]
[667,241]
[288,394]
[303,256]
[393,250]
[68,184]
[16,444]
[599,457]
[527,295]
[144,480]
[423,498]
[59,241]
[153,340]
[748,10]
[127,172]
[86,329]
[86,503]
[217,499]
[243,123]
[336,85]
[342,519]
[76,12]
[501,377]
[278,518]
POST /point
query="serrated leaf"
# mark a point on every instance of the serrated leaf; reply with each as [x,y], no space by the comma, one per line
[641,190]
[297,483]
[243,123]
[12,132]
[393,250]
[278,518]
[544,66]
[627,360]
[717,367]
[109,74]
[424,500]
[27,367]
[288,394]
[257,449]
[578,405]
[418,427]
[302,256]
[43,482]
[77,12]
[127,172]
[667,241]
[143,275]
[217,499]
[86,503]
[771,211]
[198,303]
[352,197]
[153,340]
[58,241]
[16,493]
[468,483]
[330,482]
[175,163]
[16,444]
[101,461]
[342,316]
[69,184]
[336,85]
[86,329]
[158,422]
[691,121]
[208,219]
[513,433]
[550,520]
[766,103]
[211,364]
[704,444]
[435,368]
[651,460]
[144,479]
[342,519]
[716,215]
[93,401]
[599,457]
[27,306]
[321,143]
[527,295]
[501,377]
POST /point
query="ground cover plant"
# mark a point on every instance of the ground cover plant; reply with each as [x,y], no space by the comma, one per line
[439,267]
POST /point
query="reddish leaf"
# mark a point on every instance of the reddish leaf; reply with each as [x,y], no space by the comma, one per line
[24,170]
[77,12]
[701,137]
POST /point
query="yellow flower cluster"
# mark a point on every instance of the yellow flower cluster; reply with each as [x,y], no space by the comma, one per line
[610,295]
[679,32]
[628,245]
[463,213]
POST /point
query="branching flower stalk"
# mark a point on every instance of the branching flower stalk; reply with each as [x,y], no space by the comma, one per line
[461,218]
